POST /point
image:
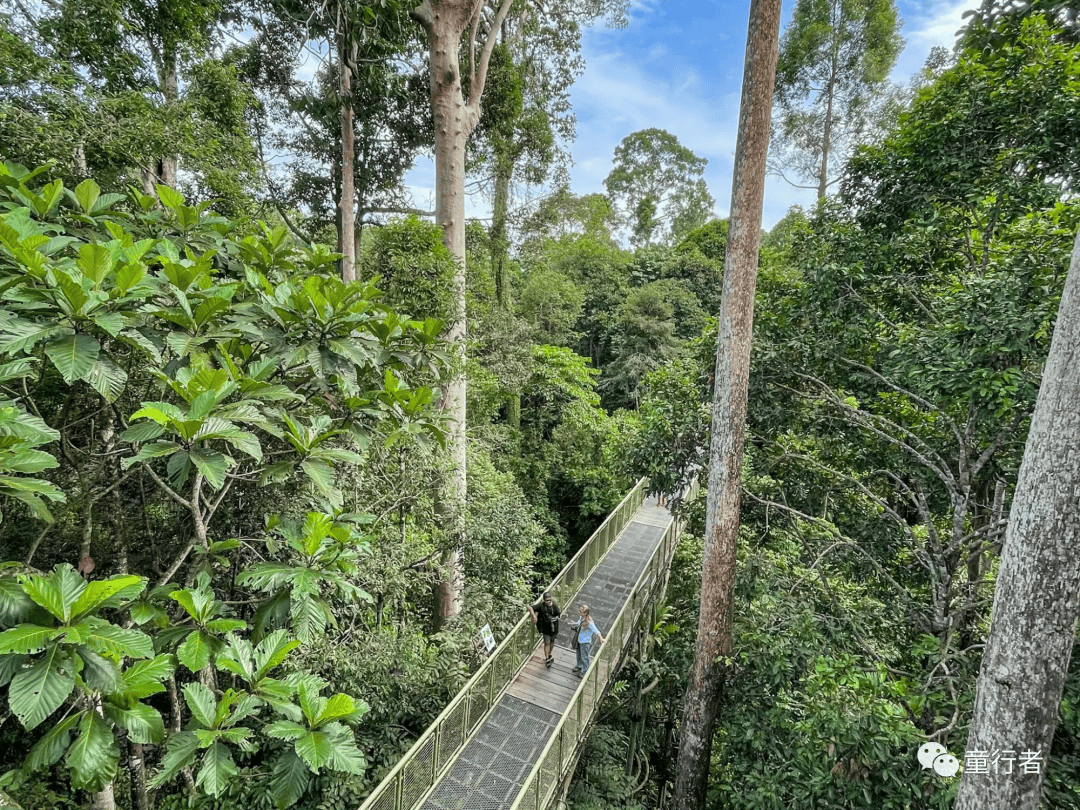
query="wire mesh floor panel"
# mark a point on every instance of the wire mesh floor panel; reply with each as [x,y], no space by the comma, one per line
[493,766]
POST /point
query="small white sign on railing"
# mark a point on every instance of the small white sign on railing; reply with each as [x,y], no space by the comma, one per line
[484,641]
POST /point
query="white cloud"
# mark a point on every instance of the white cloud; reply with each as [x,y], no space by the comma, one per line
[929,24]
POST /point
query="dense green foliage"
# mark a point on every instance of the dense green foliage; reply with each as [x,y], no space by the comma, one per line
[218,463]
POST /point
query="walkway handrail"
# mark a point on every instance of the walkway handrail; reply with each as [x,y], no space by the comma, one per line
[559,754]
[409,781]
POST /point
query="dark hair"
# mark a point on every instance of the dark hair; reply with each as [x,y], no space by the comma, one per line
[547,595]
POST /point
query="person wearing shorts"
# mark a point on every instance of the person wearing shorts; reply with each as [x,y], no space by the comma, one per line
[545,615]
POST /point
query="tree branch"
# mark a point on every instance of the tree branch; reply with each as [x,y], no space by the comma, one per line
[476,89]
[166,488]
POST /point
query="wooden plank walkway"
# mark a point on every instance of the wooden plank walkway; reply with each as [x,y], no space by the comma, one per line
[493,765]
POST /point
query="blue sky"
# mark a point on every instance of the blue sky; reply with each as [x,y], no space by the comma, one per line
[678,66]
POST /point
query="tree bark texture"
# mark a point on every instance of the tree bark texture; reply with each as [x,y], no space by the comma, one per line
[444,22]
[171,91]
[732,374]
[1037,597]
[346,243]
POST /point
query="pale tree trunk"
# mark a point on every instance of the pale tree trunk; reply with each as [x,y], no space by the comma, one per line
[732,374]
[1037,597]
[346,240]
[170,86]
[444,22]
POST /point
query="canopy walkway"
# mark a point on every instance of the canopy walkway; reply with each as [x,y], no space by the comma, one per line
[511,737]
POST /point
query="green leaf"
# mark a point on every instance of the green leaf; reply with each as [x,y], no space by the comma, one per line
[48,750]
[99,673]
[142,432]
[117,642]
[201,702]
[107,378]
[285,730]
[86,194]
[345,756]
[38,691]
[213,466]
[181,751]
[57,592]
[73,355]
[143,723]
[195,652]
[29,461]
[217,769]
[26,639]
[316,749]
[105,591]
[160,412]
[95,261]
[145,678]
[111,322]
[223,626]
[289,780]
[169,197]
[271,651]
[341,706]
[150,450]
[93,757]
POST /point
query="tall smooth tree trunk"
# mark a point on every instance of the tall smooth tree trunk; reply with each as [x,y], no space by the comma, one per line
[1037,598]
[171,90]
[444,23]
[701,704]
[346,240]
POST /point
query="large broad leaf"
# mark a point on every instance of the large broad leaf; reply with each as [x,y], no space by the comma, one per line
[151,450]
[142,432]
[345,755]
[118,642]
[93,757]
[180,754]
[307,616]
[86,194]
[99,673]
[109,593]
[48,750]
[29,461]
[107,378]
[289,780]
[74,355]
[26,639]
[17,335]
[144,678]
[10,665]
[143,723]
[217,769]
[213,466]
[316,749]
[38,691]
[196,650]
[57,592]
[340,707]
[201,702]
[271,651]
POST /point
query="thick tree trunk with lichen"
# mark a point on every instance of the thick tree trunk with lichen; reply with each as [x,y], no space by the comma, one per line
[1037,598]
[736,321]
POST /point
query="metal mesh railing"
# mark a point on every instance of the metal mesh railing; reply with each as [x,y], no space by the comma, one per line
[437,748]
[557,757]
